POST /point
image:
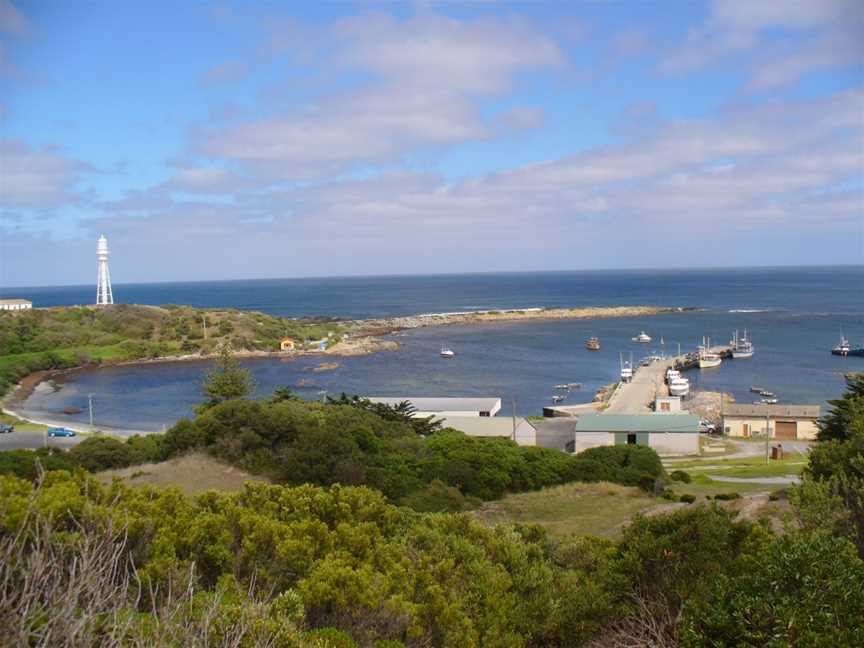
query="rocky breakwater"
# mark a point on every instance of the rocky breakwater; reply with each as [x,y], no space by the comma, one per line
[387,325]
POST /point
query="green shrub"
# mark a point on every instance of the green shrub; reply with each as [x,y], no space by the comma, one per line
[800,590]
[687,499]
[681,476]
[727,496]
[24,463]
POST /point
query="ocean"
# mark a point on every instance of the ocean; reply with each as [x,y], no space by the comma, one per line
[794,315]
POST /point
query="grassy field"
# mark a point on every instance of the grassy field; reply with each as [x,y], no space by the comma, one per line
[193,474]
[598,509]
[109,352]
[744,467]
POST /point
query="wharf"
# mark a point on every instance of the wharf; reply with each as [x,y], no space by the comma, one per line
[649,382]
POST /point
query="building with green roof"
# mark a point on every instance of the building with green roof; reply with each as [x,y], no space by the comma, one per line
[665,433]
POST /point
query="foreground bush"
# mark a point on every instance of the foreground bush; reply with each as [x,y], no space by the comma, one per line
[347,558]
[83,564]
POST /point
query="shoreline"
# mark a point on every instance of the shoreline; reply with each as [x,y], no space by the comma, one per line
[363,338]
[381,326]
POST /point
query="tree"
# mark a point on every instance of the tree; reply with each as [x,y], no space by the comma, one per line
[228,380]
[845,411]
[837,462]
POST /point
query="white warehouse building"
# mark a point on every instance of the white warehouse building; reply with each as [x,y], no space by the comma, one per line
[15,304]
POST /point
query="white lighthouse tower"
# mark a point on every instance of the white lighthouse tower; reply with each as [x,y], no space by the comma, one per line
[104,295]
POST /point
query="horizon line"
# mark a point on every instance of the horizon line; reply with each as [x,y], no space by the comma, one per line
[448,274]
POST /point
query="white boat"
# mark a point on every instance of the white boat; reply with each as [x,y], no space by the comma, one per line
[707,359]
[447,352]
[679,387]
[672,374]
[742,347]
[626,372]
[642,338]
[626,368]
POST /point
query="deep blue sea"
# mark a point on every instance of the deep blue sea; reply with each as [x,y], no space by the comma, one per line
[794,315]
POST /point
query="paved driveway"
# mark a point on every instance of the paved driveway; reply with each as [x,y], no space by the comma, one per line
[32,440]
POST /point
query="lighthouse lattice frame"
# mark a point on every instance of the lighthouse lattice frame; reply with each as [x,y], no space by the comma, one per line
[104,296]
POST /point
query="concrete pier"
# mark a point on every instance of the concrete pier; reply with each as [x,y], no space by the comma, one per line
[649,382]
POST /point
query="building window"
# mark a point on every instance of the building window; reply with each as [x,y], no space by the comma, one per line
[631,439]
[664,406]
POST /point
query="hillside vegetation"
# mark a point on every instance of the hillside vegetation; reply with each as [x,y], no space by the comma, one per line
[331,565]
[51,338]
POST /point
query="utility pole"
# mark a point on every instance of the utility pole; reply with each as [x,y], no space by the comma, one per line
[204,324]
[90,407]
[514,418]
[767,438]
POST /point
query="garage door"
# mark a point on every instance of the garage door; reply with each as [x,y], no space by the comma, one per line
[786,430]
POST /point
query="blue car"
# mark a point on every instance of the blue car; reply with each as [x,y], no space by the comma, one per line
[60,432]
[5,428]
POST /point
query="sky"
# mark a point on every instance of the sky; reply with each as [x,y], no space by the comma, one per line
[288,139]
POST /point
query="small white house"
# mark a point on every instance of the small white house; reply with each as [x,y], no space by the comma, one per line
[15,304]
[665,433]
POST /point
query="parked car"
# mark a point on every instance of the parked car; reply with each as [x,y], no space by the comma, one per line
[707,426]
[5,428]
[60,432]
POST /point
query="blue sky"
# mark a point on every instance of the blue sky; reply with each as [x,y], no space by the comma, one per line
[219,140]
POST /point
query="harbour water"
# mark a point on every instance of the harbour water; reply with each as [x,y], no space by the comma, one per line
[793,315]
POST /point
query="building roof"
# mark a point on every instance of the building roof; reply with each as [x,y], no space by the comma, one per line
[762,410]
[637,423]
[497,426]
[15,301]
[426,404]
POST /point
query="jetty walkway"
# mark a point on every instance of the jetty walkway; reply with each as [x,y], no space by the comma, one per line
[637,396]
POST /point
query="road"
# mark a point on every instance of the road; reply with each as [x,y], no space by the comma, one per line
[26,440]
[636,396]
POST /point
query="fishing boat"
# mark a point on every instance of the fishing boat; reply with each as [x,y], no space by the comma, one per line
[672,374]
[562,386]
[447,352]
[707,359]
[767,394]
[767,401]
[592,344]
[756,390]
[557,399]
[679,387]
[574,385]
[742,347]
[626,368]
[846,349]
[642,338]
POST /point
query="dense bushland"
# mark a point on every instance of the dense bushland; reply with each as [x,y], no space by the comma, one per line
[297,442]
[300,442]
[291,566]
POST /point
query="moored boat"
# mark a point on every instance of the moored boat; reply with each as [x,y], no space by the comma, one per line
[642,338]
[742,347]
[592,344]
[679,387]
[447,352]
[707,359]
[844,348]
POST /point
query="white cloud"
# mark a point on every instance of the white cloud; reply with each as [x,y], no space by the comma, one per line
[427,74]
[36,178]
[817,35]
